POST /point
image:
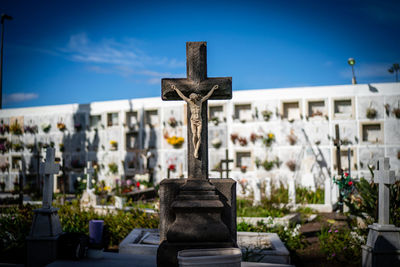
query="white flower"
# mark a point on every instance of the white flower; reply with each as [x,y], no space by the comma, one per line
[84,181]
[78,179]
[93,181]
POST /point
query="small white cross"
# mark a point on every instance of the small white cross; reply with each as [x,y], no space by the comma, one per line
[384,177]
[89,171]
[48,169]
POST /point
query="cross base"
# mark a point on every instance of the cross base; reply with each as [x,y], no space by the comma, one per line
[383,246]
[42,241]
[195,214]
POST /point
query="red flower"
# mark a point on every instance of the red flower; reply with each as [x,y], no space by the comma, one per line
[350,183]
[137,184]
[171,167]
[346,174]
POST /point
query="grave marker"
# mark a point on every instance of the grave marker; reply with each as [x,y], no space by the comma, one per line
[191,212]
[46,227]
[383,242]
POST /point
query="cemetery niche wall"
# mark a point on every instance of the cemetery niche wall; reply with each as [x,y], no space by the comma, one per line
[273,136]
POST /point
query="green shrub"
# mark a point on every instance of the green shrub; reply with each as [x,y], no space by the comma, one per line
[245,208]
[341,245]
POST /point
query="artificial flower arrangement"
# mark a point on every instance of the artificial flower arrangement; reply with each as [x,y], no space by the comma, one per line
[215,120]
[216,142]
[345,183]
[266,114]
[114,145]
[61,126]
[4,128]
[243,168]
[175,141]
[371,113]
[291,164]
[269,139]
[172,167]
[242,141]
[15,128]
[254,137]
[292,139]
[18,146]
[234,137]
[172,122]
[267,164]
[5,146]
[46,128]
[113,167]
[31,129]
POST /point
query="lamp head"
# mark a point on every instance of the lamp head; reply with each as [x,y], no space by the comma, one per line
[5,16]
[351,61]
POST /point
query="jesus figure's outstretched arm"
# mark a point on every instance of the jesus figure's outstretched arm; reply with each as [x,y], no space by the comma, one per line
[207,96]
[180,93]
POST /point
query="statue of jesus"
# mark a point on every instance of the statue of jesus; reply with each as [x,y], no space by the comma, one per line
[195,102]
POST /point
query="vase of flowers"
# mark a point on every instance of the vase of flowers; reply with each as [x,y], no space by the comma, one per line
[61,126]
[291,164]
[269,139]
[46,128]
[113,145]
[16,128]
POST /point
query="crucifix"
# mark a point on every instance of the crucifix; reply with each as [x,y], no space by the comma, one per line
[48,169]
[196,89]
[384,177]
[89,171]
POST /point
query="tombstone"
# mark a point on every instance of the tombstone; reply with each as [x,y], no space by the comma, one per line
[196,212]
[89,198]
[46,227]
[383,242]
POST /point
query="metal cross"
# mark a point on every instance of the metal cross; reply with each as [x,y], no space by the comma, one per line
[48,169]
[197,82]
[384,177]
[226,161]
[336,142]
[89,171]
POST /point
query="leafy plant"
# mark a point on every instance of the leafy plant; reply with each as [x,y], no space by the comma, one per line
[371,113]
[341,245]
[113,167]
[306,196]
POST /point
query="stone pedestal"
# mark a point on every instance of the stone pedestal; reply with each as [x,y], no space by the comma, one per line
[383,246]
[195,214]
[42,241]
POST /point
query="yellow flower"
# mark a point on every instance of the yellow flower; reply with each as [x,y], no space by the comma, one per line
[113,143]
[271,136]
[175,141]
[107,188]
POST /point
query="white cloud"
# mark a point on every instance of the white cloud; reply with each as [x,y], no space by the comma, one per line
[19,97]
[108,51]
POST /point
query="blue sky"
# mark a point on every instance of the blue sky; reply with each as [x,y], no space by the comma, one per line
[59,52]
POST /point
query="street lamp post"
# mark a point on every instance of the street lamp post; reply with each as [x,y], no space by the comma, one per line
[3,18]
[351,61]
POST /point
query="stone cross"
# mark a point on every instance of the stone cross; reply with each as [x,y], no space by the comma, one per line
[196,89]
[384,177]
[48,169]
[226,161]
[89,171]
